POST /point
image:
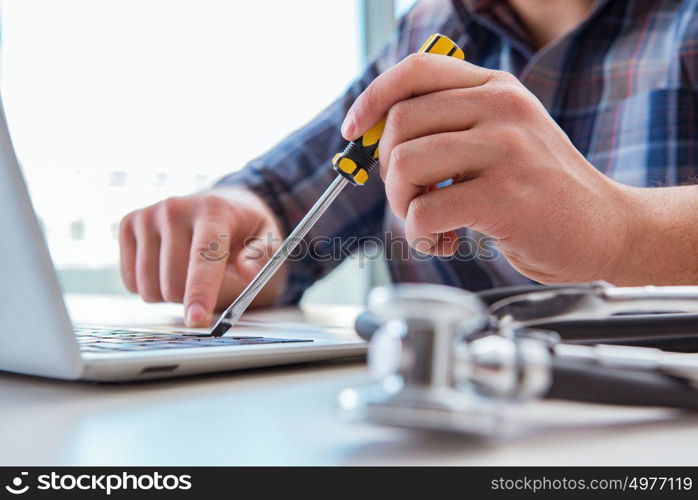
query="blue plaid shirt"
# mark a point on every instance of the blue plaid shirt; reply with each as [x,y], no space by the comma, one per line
[623,85]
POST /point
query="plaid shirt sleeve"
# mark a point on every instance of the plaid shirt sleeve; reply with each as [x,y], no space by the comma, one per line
[293,175]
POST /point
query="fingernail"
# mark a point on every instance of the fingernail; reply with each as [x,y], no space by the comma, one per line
[195,314]
[348,126]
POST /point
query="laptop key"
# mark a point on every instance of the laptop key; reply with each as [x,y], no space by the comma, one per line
[101,340]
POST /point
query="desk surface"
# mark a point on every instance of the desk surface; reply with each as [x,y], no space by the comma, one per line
[288,415]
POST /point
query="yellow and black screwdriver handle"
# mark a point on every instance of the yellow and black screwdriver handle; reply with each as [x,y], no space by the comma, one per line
[361,156]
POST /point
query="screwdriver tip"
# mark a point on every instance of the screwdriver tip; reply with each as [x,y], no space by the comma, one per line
[220,329]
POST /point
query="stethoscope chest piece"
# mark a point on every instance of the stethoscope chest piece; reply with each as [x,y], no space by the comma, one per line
[436,364]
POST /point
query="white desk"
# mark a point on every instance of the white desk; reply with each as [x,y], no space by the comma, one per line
[288,416]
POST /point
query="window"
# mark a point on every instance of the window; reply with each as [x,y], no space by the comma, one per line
[116,104]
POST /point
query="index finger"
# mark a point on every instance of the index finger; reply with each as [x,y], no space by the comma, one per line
[417,74]
[210,252]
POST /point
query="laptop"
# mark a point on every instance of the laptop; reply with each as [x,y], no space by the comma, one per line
[37,336]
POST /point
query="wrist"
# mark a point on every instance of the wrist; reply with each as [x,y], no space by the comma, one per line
[635,245]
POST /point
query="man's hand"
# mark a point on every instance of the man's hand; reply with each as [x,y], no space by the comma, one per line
[192,250]
[517,177]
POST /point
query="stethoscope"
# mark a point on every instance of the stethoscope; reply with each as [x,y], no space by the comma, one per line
[447,359]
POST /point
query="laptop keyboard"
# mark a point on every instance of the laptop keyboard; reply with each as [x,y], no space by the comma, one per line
[100,340]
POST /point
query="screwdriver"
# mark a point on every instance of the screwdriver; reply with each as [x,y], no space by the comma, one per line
[352,165]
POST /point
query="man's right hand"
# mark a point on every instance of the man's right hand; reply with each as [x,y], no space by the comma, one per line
[192,250]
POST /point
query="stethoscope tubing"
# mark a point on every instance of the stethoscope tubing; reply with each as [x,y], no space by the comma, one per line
[670,331]
[575,380]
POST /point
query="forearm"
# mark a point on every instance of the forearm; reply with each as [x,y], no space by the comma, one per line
[662,240]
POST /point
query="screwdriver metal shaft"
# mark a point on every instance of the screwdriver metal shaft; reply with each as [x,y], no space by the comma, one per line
[353,165]
[231,315]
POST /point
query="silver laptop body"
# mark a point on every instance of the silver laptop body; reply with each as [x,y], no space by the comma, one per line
[38,338]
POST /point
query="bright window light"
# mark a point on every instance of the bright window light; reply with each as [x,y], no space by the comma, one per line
[116,104]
